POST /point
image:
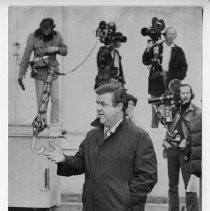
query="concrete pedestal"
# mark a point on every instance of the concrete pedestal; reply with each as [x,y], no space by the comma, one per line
[32,178]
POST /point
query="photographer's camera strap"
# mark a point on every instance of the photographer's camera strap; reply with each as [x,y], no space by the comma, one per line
[184,127]
[174,123]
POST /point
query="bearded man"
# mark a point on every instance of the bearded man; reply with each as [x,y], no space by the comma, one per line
[177,148]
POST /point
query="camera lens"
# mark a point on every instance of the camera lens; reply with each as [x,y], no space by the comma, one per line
[144,31]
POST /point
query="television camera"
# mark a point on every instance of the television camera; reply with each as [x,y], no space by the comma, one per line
[107,33]
[154,31]
[105,30]
[165,104]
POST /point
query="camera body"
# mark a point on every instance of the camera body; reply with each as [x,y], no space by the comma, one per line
[154,32]
[167,102]
[165,105]
[107,33]
[105,30]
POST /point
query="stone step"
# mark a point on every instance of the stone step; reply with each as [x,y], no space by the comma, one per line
[74,206]
[77,198]
[73,202]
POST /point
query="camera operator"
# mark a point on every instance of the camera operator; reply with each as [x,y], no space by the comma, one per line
[109,61]
[177,147]
[44,42]
[170,64]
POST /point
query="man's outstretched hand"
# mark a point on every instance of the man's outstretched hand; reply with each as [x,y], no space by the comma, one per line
[55,155]
[20,81]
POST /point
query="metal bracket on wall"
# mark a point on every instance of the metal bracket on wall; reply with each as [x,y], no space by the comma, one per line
[46,180]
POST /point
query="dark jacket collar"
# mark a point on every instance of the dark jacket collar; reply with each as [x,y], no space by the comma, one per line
[100,135]
[174,48]
[97,123]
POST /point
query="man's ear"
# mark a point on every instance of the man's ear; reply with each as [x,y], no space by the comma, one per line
[119,106]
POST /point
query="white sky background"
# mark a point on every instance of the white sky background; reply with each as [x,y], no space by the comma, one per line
[188,39]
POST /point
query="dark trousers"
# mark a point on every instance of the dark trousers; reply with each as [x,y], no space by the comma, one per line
[176,162]
[155,120]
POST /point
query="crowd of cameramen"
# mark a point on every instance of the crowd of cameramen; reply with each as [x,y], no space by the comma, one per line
[117,157]
[182,143]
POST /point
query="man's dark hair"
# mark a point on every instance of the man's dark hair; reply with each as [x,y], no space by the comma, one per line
[132,98]
[119,94]
[118,36]
[191,91]
[45,23]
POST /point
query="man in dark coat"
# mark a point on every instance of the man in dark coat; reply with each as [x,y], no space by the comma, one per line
[167,62]
[109,61]
[117,157]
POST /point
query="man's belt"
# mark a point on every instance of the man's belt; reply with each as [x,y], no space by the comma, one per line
[42,61]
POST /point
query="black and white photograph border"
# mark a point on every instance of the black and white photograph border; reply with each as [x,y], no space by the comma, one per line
[77,21]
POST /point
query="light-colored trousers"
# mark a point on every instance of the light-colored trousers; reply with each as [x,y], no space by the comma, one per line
[55,99]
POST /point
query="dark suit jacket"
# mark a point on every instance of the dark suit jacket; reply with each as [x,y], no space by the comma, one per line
[177,68]
[119,171]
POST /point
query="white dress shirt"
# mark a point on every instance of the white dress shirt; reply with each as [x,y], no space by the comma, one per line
[166,56]
[109,131]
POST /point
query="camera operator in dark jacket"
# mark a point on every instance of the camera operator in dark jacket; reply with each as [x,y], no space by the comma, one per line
[177,148]
[109,61]
[171,64]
